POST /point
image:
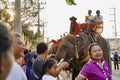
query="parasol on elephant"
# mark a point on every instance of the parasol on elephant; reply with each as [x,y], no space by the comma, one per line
[74,48]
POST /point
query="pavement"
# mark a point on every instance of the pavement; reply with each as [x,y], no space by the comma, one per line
[115,74]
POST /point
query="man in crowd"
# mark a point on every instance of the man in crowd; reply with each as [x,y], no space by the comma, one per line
[16,72]
[42,51]
[18,46]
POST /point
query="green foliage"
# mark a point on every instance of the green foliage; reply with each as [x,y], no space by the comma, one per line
[31,1]
[29,12]
[4,15]
[29,33]
[1,14]
[70,2]
[34,14]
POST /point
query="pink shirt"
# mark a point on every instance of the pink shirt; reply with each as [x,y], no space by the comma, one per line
[92,71]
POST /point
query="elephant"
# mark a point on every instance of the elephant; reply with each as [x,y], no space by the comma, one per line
[52,50]
[73,49]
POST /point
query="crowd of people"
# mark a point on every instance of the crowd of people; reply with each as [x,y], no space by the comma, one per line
[38,65]
[11,50]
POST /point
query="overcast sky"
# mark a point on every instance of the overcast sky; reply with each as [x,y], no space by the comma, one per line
[57,14]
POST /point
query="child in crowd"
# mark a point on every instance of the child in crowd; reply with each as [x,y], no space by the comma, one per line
[27,67]
[49,70]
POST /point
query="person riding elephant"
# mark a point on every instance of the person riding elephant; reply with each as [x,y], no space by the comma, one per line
[89,18]
[74,26]
[98,18]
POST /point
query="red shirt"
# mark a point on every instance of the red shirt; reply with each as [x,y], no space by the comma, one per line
[76,27]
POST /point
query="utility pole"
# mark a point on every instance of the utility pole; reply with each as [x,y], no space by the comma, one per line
[39,25]
[115,29]
[43,30]
[39,32]
[17,19]
[43,25]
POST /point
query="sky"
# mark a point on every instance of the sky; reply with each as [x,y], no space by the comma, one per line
[56,14]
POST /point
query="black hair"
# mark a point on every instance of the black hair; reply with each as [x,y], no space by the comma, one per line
[41,48]
[90,46]
[89,10]
[48,64]
[98,11]
[5,39]
[26,51]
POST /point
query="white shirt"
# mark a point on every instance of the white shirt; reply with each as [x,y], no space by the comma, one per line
[48,77]
[98,18]
[16,73]
[90,19]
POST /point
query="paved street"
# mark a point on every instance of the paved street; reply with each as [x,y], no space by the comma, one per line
[115,74]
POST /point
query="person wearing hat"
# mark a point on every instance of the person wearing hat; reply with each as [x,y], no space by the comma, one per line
[98,17]
[74,26]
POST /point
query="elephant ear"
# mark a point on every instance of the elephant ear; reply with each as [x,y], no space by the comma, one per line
[70,2]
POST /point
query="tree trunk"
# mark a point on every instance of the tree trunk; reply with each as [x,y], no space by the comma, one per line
[17,20]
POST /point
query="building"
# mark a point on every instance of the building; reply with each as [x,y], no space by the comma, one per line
[113,44]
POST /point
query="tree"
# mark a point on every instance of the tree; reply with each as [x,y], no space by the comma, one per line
[29,16]
[28,12]
[5,16]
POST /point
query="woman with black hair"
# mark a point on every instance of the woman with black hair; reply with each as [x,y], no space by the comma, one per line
[96,68]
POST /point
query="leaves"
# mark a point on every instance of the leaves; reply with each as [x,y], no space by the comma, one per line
[31,1]
[70,2]
[4,14]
